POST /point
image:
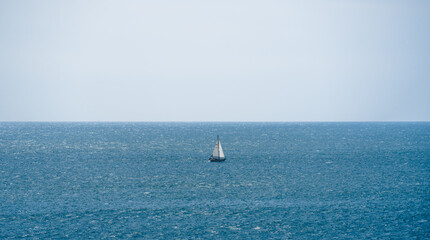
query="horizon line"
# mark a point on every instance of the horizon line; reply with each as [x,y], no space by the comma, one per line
[305,121]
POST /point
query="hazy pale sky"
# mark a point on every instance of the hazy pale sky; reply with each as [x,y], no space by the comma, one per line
[349,60]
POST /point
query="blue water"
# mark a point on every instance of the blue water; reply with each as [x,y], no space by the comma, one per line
[153,180]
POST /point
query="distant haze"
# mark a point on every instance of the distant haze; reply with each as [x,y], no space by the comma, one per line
[230,60]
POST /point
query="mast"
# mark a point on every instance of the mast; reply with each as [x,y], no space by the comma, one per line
[217,139]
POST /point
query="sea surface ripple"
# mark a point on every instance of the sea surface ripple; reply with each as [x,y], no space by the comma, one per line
[154,181]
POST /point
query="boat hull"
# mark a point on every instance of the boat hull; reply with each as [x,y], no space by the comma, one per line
[216,159]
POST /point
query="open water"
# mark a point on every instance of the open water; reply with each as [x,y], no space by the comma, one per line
[154,181]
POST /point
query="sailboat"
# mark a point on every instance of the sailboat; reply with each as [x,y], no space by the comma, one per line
[218,154]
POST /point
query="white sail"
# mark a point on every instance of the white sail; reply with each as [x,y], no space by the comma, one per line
[215,153]
[218,152]
[221,153]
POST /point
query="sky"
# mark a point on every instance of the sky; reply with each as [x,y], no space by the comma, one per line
[355,60]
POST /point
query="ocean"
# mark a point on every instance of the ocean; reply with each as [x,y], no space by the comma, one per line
[154,180]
